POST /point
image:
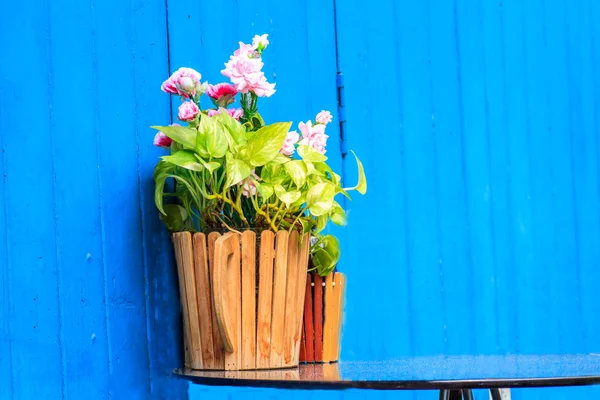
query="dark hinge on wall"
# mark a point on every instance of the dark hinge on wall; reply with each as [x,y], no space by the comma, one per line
[342,113]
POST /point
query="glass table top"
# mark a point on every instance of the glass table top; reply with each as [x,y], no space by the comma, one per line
[439,372]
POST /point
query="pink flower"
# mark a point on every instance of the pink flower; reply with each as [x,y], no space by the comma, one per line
[247,49]
[249,188]
[233,112]
[313,136]
[184,82]
[221,94]
[244,69]
[162,140]
[288,145]
[324,117]
[188,111]
[260,42]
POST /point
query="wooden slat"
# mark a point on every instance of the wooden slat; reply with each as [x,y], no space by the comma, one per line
[303,256]
[219,351]
[203,294]
[330,318]
[292,314]
[248,300]
[187,345]
[309,340]
[318,316]
[227,293]
[278,308]
[340,289]
[187,258]
[265,300]
[302,357]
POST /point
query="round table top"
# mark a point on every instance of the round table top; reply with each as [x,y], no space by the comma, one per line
[440,372]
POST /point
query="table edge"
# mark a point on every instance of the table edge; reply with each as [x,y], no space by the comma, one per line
[487,383]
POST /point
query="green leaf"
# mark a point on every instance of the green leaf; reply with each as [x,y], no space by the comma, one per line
[183,135]
[307,153]
[321,223]
[273,173]
[361,186]
[265,144]
[325,170]
[163,167]
[235,129]
[301,200]
[236,170]
[325,254]
[319,198]
[266,190]
[281,159]
[310,168]
[216,139]
[257,121]
[338,215]
[161,172]
[174,217]
[211,166]
[297,171]
[201,146]
[288,197]
[185,159]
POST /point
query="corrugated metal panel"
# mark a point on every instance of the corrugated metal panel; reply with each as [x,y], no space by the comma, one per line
[80,236]
[476,122]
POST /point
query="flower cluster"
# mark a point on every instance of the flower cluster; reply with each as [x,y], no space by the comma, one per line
[231,169]
[244,68]
[312,135]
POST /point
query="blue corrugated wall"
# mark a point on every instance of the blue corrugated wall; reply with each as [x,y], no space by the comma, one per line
[476,121]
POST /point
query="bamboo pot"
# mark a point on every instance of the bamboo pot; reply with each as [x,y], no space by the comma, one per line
[242,302]
[323,314]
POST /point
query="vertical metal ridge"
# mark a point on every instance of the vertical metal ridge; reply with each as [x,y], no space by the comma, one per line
[6,282]
[463,174]
[436,189]
[143,249]
[61,339]
[168,55]
[96,127]
[575,213]
[340,94]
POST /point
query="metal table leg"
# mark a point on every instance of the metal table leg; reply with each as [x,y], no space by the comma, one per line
[496,394]
[446,394]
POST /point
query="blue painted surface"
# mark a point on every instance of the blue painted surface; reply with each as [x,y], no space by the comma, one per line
[477,123]
[89,300]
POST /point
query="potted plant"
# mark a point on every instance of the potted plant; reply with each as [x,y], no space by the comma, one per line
[246,202]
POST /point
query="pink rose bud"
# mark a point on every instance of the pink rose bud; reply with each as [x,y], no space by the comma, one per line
[187,84]
[188,111]
[183,82]
[162,140]
[288,145]
[260,42]
[221,94]
[324,117]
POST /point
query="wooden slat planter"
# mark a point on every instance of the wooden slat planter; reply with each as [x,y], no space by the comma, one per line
[323,313]
[242,308]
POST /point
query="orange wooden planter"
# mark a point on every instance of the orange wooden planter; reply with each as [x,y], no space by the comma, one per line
[240,313]
[323,313]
